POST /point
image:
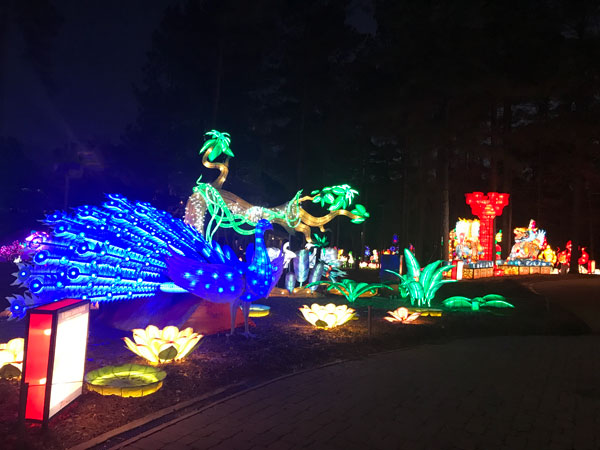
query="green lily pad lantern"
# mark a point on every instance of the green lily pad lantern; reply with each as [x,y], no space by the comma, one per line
[128,380]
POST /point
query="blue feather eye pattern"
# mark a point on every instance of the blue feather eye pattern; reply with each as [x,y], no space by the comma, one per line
[114,252]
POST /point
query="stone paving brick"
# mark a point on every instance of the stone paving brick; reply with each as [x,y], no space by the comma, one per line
[166,437]
[206,442]
[560,439]
[539,435]
[265,438]
[235,443]
[534,443]
[187,439]
[175,446]
[205,417]
[149,443]
[133,446]
[516,441]
[523,422]
[583,438]
[476,425]
[465,441]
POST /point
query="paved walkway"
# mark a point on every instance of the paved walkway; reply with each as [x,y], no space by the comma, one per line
[539,392]
[580,296]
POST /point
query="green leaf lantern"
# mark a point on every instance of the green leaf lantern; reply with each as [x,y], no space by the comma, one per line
[475,304]
[350,288]
[320,242]
[421,285]
[219,142]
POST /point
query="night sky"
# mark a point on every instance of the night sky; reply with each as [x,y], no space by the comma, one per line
[388,96]
[96,57]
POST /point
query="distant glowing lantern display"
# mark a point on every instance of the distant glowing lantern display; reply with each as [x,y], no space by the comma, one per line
[548,255]
[487,207]
[497,241]
[328,316]
[529,242]
[54,359]
[564,256]
[464,241]
[584,258]
[162,346]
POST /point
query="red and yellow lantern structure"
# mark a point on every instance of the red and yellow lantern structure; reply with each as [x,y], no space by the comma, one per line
[486,208]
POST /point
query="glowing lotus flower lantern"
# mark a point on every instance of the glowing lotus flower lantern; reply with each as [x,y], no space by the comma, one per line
[162,346]
[11,353]
[401,315]
[328,316]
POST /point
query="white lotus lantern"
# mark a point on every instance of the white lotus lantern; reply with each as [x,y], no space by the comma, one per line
[162,346]
[328,316]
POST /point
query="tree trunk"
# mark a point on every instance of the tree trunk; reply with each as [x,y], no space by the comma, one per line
[539,186]
[507,233]
[493,145]
[591,222]
[218,81]
[507,236]
[404,210]
[507,175]
[422,214]
[575,223]
[445,248]
[4,12]
[301,151]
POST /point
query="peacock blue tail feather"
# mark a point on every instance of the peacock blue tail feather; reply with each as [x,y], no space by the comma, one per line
[220,283]
[114,252]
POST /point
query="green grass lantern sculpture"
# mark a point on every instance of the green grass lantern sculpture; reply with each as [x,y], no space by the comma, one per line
[421,285]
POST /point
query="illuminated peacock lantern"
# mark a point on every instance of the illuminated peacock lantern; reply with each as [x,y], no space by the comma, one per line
[127,250]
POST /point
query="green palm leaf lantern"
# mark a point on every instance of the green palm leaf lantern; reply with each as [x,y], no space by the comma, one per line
[350,288]
[216,144]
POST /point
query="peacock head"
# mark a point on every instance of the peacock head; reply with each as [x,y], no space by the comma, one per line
[262,226]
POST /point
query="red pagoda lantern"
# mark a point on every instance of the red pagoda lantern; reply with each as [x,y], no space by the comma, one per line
[486,208]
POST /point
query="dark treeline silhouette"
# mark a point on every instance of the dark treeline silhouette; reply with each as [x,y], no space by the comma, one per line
[443,98]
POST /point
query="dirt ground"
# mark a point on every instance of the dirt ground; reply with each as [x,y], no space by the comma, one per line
[285,343]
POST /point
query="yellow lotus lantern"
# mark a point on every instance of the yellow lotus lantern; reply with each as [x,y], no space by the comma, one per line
[328,316]
[401,315]
[162,346]
[11,353]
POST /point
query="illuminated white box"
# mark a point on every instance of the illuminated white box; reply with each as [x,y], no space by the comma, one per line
[54,358]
